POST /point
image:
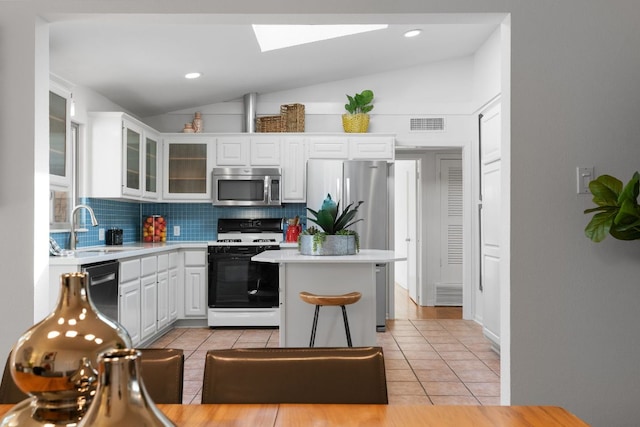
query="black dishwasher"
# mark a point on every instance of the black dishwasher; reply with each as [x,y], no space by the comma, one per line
[103,287]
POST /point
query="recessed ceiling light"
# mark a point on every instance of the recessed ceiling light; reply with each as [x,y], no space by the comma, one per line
[272,37]
[412,33]
[192,75]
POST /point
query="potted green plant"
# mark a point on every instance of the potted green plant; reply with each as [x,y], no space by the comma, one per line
[618,212]
[357,119]
[332,236]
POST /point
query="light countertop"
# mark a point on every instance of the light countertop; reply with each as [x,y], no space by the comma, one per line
[364,256]
[93,254]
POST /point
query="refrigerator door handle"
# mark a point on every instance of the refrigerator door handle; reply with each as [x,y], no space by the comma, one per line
[347,191]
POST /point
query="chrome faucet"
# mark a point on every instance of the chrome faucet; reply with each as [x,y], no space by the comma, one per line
[72,236]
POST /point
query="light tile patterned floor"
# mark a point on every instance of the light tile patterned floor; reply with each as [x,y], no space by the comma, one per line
[439,361]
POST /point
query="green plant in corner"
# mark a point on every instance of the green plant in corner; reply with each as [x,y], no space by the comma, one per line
[618,212]
[330,223]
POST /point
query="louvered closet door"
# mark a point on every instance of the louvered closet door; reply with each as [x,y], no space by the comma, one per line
[449,288]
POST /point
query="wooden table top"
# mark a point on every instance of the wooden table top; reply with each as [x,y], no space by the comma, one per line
[280,415]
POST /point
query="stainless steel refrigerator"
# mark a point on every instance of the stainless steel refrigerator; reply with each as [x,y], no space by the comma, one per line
[350,181]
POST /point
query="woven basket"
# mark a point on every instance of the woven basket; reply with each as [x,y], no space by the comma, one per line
[293,115]
[355,123]
[270,124]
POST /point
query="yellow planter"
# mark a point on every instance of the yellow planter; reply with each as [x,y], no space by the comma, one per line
[355,123]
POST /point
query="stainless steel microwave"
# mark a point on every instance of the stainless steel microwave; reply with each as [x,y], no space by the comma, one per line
[246,186]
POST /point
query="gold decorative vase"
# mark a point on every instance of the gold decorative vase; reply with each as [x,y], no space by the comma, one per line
[355,123]
[55,361]
[121,399]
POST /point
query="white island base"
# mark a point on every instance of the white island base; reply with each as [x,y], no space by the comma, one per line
[327,275]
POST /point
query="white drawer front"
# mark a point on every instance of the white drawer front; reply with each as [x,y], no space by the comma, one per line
[195,258]
[163,262]
[173,260]
[149,265]
[129,270]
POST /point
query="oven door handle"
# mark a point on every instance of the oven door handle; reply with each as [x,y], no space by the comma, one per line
[233,256]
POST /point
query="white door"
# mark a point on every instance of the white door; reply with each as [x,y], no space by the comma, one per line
[406,225]
[490,171]
[449,285]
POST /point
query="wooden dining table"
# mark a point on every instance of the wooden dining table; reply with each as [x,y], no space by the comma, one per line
[324,415]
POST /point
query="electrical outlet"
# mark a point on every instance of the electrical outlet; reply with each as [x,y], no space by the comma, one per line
[176,230]
[101,234]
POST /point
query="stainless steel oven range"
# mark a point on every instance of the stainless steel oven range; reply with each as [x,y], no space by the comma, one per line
[242,292]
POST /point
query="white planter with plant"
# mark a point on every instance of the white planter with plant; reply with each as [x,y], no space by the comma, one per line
[333,236]
[357,119]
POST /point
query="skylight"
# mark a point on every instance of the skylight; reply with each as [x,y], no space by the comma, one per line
[272,37]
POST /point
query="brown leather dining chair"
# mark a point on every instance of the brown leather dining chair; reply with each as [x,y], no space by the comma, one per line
[295,375]
[162,372]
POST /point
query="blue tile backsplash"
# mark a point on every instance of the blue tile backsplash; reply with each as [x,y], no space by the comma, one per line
[197,221]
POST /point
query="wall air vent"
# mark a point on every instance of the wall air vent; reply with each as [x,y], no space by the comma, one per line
[426,124]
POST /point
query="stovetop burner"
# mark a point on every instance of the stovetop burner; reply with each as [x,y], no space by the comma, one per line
[266,232]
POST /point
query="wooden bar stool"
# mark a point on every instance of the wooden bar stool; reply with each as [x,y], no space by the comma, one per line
[321,300]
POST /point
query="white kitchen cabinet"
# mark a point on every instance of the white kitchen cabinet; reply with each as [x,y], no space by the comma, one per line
[148,291]
[265,150]
[116,157]
[129,298]
[187,161]
[162,309]
[60,167]
[232,151]
[328,147]
[247,151]
[149,294]
[130,309]
[132,162]
[195,283]
[294,159]
[353,147]
[173,284]
[61,157]
[151,166]
[372,148]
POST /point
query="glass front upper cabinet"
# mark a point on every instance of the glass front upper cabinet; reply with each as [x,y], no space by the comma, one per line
[187,168]
[59,152]
[132,136]
[151,167]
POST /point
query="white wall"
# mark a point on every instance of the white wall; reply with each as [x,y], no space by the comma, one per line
[486,71]
[23,168]
[574,101]
[443,89]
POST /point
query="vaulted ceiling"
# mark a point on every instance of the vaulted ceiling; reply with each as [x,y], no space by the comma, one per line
[139,62]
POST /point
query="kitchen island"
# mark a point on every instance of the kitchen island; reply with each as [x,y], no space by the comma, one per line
[327,275]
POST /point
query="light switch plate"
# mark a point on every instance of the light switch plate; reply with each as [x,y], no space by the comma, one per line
[584,176]
[176,230]
[101,234]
